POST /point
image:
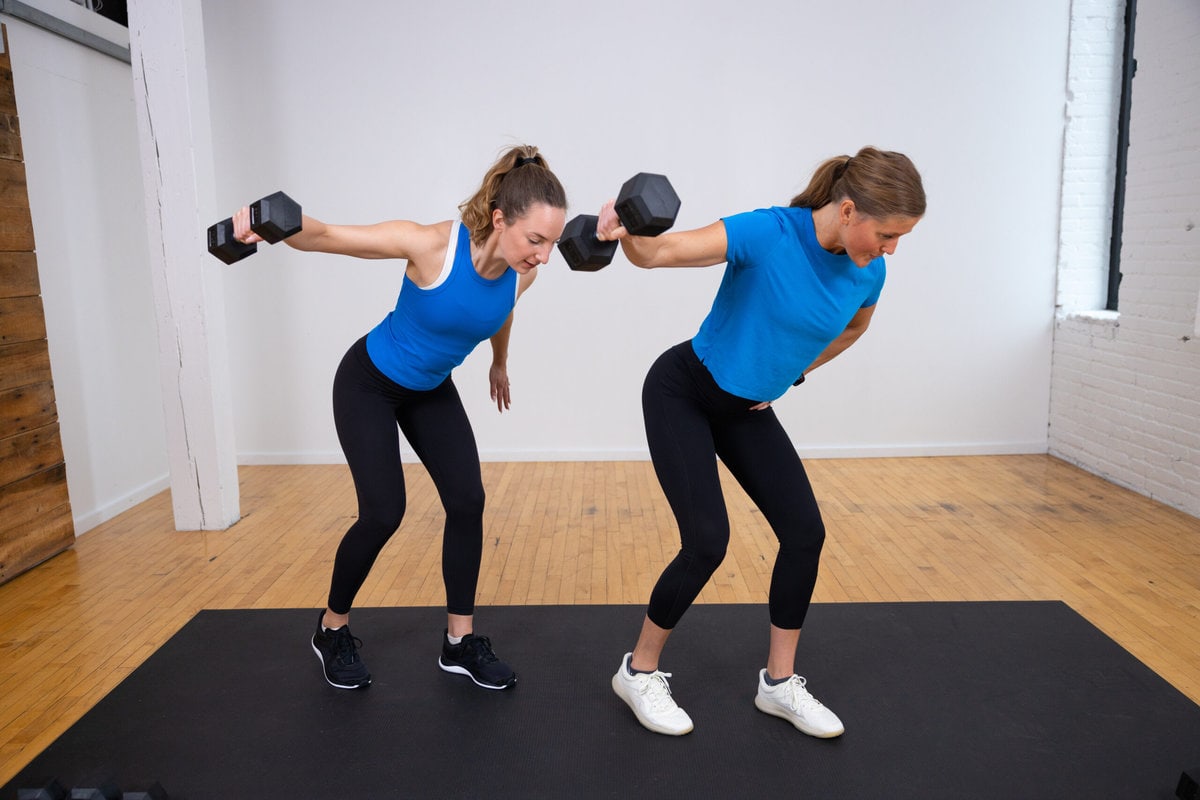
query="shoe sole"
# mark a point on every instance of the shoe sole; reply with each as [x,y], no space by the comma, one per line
[321,659]
[457,670]
[775,711]
[647,724]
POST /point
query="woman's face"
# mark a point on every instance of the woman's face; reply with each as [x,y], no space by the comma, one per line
[526,242]
[867,238]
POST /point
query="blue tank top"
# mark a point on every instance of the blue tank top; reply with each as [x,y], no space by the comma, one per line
[433,329]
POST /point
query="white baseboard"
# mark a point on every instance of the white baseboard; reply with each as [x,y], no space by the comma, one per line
[642,454]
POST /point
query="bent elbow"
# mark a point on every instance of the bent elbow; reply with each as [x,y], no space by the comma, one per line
[640,260]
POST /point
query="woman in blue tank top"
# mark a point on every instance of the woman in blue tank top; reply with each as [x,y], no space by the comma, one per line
[800,286]
[461,282]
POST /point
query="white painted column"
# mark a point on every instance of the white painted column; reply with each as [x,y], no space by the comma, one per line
[166,42]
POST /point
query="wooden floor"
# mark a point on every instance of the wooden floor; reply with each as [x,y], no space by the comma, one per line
[981,528]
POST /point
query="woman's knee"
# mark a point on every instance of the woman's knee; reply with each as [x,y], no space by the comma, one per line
[805,539]
[465,502]
[706,554]
[383,516]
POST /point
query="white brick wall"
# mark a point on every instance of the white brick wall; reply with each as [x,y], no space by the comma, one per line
[1125,387]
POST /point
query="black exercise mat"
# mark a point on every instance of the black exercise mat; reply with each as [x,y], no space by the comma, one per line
[940,700]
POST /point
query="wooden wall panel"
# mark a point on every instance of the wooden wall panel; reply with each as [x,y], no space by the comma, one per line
[29,545]
[24,363]
[16,224]
[29,452]
[18,274]
[35,510]
[26,408]
[10,125]
[21,320]
[24,500]
[35,520]
[8,98]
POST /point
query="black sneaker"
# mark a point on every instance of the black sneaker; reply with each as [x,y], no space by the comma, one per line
[474,658]
[338,651]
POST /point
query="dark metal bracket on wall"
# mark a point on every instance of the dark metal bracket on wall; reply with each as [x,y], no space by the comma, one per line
[1128,70]
[34,16]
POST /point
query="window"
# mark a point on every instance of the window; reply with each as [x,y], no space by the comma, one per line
[1128,70]
[112,9]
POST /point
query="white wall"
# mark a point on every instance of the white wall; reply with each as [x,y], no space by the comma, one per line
[1126,388]
[86,199]
[397,109]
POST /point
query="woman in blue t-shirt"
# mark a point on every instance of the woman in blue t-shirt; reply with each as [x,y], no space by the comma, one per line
[461,282]
[800,287]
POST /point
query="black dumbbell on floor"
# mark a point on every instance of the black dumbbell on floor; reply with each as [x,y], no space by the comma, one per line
[647,205]
[50,790]
[105,791]
[274,218]
[53,790]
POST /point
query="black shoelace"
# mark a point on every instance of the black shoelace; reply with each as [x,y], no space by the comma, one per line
[345,646]
[482,648]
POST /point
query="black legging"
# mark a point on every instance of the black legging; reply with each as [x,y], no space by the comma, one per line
[690,421]
[367,406]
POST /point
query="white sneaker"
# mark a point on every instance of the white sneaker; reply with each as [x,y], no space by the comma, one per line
[649,695]
[791,701]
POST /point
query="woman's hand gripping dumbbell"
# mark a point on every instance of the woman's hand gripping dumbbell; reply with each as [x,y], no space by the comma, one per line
[647,205]
[272,219]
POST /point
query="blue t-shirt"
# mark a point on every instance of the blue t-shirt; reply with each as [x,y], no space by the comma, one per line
[433,329]
[782,300]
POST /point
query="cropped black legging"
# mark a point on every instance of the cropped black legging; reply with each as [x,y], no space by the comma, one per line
[690,422]
[367,407]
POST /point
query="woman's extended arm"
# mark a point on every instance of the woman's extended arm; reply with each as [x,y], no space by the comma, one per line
[393,239]
[702,247]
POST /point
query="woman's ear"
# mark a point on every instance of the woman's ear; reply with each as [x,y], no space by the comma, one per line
[846,211]
[497,218]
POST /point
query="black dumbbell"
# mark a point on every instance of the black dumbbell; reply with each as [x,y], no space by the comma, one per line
[647,205]
[274,218]
[1189,785]
[105,791]
[156,791]
[50,790]
[580,247]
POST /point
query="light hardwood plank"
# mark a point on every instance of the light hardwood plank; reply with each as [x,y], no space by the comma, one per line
[919,529]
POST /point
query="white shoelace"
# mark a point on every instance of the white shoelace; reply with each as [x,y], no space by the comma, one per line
[799,698]
[656,689]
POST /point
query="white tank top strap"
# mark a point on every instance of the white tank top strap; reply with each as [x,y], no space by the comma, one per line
[451,252]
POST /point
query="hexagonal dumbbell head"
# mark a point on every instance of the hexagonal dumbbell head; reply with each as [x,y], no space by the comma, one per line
[647,204]
[275,217]
[50,790]
[580,247]
[222,244]
[105,791]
